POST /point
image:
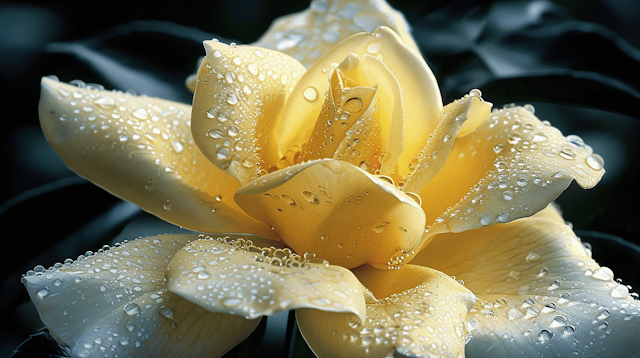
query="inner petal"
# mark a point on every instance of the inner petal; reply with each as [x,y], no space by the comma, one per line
[337,211]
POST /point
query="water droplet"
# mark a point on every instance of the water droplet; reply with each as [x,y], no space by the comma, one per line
[545,335]
[539,137]
[475,93]
[595,162]
[177,146]
[485,219]
[223,153]
[43,292]
[529,108]
[379,228]
[603,273]
[167,205]
[569,330]
[166,312]
[131,308]
[232,302]
[140,113]
[217,54]
[232,99]
[233,131]
[567,153]
[374,47]
[223,117]
[287,199]
[203,275]
[522,181]
[311,197]
[620,291]
[507,195]
[503,217]
[498,148]
[310,94]
[514,313]
[105,102]
[558,321]
[324,237]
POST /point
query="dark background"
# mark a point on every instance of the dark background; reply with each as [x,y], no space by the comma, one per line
[577,61]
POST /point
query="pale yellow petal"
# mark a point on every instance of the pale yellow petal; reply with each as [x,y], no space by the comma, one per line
[510,166]
[309,34]
[420,94]
[420,313]
[436,150]
[540,293]
[115,302]
[140,148]
[191,82]
[239,96]
[335,210]
[239,277]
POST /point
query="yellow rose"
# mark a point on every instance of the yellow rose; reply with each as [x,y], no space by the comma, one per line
[330,180]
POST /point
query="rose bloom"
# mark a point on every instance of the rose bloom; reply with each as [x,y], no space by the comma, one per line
[328,178]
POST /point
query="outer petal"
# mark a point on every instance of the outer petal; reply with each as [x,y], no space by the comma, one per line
[141,149]
[337,211]
[238,277]
[422,314]
[239,96]
[540,293]
[115,303]
[511,166]
[420,93]
[309,34]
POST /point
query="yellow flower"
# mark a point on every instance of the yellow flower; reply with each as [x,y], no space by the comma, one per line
[330,180]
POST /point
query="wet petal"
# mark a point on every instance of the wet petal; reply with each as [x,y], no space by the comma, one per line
[141,149]
[420,312]
[510,166]
[337,211]
[238,277]
[116,302]
[436,150]
[309,34]
[238,98]
[540,293]
[420,94]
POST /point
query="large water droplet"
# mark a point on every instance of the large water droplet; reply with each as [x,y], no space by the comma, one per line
[131,308]
[232,302]
[374,47]
[43,292]
[140,113]
[311,197]
[595,162]
[310,94]
[485,219]
[166,312]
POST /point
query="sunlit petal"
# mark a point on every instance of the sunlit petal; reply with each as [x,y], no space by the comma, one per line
[115,302]
[337,211]
[238,277]
[141,149]
[238,98]
[418,87]
[540,293]
[510,166]
[436,150]
[309,34]
[420,312]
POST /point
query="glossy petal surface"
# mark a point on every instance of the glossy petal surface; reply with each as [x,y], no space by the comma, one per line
[337,211]
[238,277]
[420,96]
[420,313]
[116,302]
[239,96]
[540,293]
[141,149]
[510,166]
[309,34]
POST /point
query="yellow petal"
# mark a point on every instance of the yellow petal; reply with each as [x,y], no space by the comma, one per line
[237,277]
[420,94]
[191,82]
[422,313]
[141,149]
[238,98]
[335,210]
[540,293]
[436,150]
[309,34]
[116,302]
[510,166]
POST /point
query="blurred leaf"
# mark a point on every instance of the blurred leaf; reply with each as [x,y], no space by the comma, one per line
[530,51]
[40,344]
[150,57]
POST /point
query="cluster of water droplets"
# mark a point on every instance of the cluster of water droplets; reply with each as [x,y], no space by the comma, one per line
[421,322]
[530,156]
[236,276]
[242,82]
[111,302]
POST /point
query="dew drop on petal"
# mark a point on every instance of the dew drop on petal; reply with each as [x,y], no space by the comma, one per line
[131,308]
[310,94]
